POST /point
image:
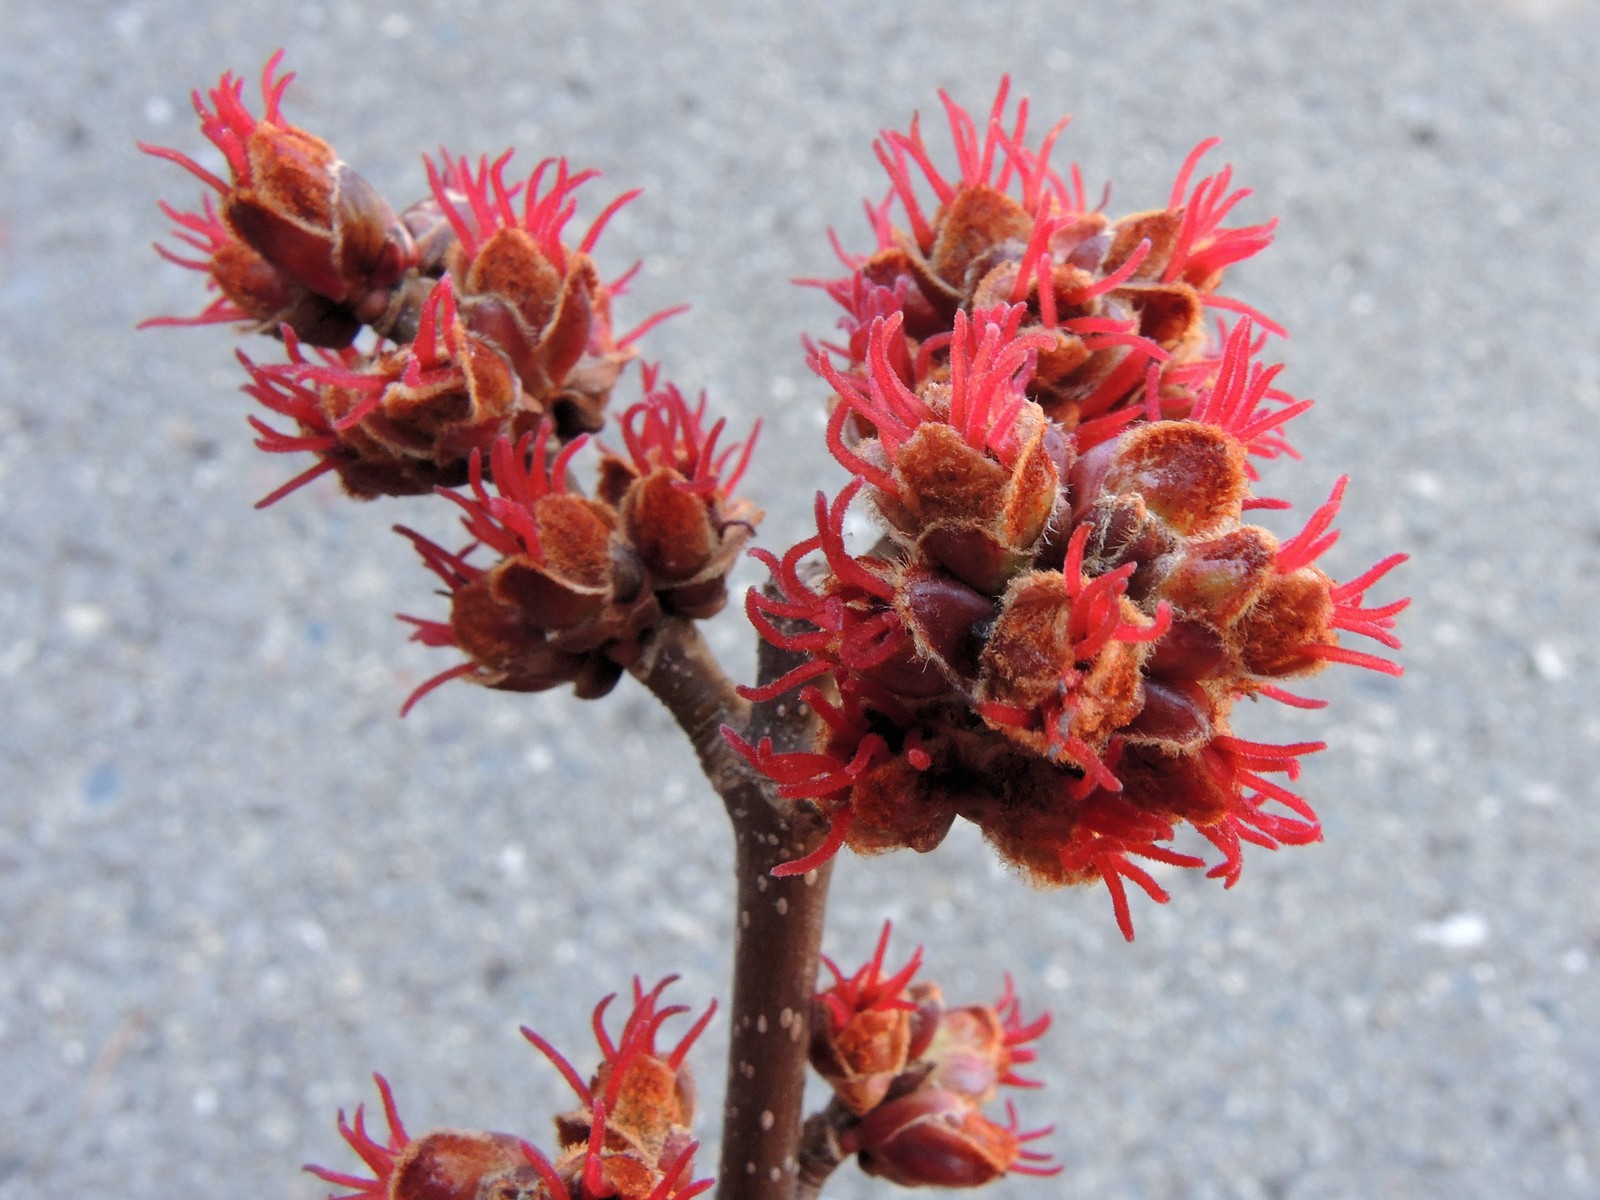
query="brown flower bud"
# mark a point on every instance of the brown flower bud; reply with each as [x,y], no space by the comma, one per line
[329,253]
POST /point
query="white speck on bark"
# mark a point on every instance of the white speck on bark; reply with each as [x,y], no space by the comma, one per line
[782,906]
[767,1119]
[761,1023]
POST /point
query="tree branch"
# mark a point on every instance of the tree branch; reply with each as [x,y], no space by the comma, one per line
[778,927]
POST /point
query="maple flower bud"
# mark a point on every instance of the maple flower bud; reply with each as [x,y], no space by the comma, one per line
[964,468]
[629,1140]
[523,290]
[914,1076]
[443,1164]
[583,582]
[674,492]
[393,423]
[1111,298]
[862,1029]
[934,1138]
[299,238]
[495,322]
[1051,637]
[630,1134]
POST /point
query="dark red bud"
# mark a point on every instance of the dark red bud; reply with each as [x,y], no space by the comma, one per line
[933,1138]
[1220,578]
[1177,715]
[544,600]
[947,616]
[1189,650]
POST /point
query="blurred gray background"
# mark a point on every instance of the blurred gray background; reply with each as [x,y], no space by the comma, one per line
[232,883]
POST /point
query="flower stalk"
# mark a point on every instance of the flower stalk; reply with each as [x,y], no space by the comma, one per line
[779,921]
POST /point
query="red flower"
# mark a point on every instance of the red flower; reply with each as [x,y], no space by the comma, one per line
[582,582]
[630,1136]
[1050,640]
[496,322]
[302,239]
[444,1164]
[397,422]
[1114,299]
[865,1029]
[629,1141]
[914,1075]
[523,290]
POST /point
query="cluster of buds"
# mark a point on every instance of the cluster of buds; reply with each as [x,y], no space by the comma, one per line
[1106,299]
[583,581]
[486,322]
[491,363]
[910,1077]
[1065,605]
[629,1139]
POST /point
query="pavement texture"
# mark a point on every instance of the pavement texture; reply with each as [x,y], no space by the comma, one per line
[233,883]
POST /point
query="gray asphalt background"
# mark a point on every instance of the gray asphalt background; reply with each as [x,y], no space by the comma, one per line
[232,883]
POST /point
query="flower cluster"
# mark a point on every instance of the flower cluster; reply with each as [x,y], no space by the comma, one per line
[493,359]
[914,1075]
[1051,635]
[582,581]
[1106,299]
[487,321]
[629,1139]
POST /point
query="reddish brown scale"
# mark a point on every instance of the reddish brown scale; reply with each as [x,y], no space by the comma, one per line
[898,806]
[1277,636]
[1190,475]
[1218,579]
[450,1164]
[977,221]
